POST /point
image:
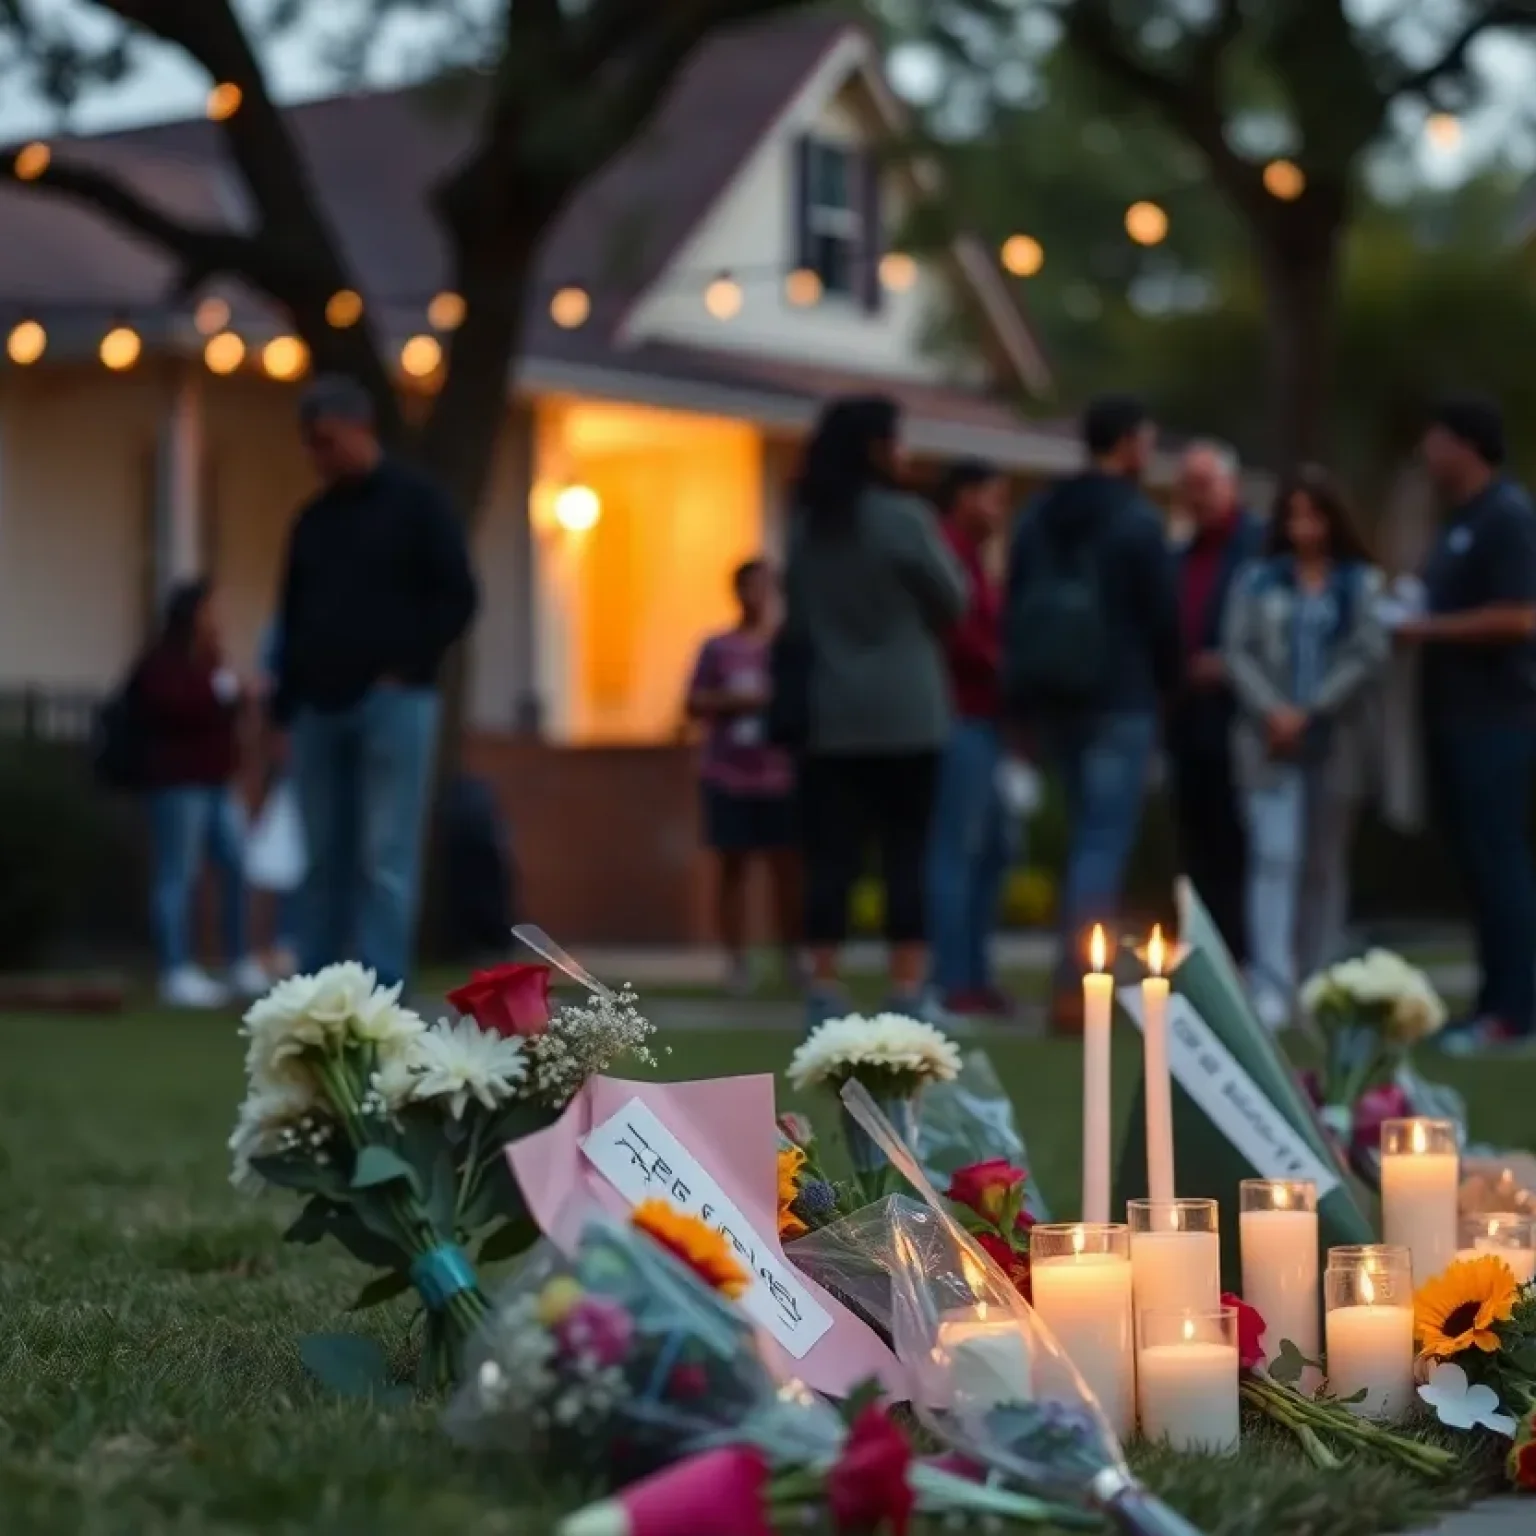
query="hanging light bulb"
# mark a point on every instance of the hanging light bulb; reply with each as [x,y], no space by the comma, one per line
[1023,255]
[723,298]
[285,357]
[343,308]
[120,348]
[26,343]
[1285,180]
[421,356]
[570,308]
[211,315]
[1146,223]
[446,311]
[31,161]
[898,271]
[224,101]
[224,352]
[803,287]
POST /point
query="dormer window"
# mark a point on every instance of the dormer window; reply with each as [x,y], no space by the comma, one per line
[837,196]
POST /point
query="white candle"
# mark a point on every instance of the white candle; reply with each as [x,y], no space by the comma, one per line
[1176,1271]
[1371,1347]
[989,1357]
[1420,1183]
[1098,1009]
[1521,1261]
[1085,1300]
[1189,1395]
[1159,1085]
[1280,1277]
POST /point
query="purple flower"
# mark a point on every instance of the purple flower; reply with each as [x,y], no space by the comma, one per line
[596,1329]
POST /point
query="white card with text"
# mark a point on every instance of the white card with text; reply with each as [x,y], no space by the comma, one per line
[1214,1078]
[643,1160]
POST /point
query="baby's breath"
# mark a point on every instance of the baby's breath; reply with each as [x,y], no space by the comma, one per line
[583,1040]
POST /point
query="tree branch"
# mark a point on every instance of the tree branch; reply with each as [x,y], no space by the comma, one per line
[1455,57]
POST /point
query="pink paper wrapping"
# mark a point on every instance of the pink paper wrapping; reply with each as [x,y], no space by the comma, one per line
[727,1123]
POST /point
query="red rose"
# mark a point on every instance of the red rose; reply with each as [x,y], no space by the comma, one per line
[983,1187]
[868,1486]
[507,999]
[1007,1258]
[1250,1332]
[1522,1466]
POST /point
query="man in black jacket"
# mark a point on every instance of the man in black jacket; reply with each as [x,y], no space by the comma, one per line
[377,588]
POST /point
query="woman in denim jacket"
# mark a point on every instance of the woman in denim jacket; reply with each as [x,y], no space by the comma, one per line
[1303,643]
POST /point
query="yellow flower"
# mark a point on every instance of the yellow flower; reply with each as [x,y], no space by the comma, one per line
[1457,1310]
[791,1161]
[695,1244]
[558,1300]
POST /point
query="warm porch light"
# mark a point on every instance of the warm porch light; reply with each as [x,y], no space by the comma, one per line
[802,287]
[224,352]
[31,161]
[285,357]
[421,356]
[224,101]
[577,508]
[898,271]
[343,308]
[1023,255]
[120,348]
[26,343]
[570,308]
[1284,179]
[1146,223]
[446,311]
[723,297]
[211,316]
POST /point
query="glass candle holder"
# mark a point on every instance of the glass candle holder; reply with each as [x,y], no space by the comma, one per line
[1506,1235]
[1081,1277]
[1187,1368]
[1368,1294]
[1420,1185]
[1277,1221]
[1175,1255]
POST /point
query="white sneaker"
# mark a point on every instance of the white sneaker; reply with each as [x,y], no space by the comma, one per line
[249,978]
[191,987]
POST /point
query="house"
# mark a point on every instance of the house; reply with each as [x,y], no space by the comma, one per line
[695,305]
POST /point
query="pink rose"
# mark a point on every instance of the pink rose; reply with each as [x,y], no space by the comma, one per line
[984,1187]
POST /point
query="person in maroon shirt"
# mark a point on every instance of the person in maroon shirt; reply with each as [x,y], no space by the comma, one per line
[185,701]
[968,853]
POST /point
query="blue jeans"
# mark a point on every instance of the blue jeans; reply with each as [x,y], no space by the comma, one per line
[189,823]
[1103,766]
[363,776]
[967,858]
[1481,774]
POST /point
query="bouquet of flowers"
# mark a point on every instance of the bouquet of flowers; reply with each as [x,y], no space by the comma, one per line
[1370,1011]
[988,1201]
[394,1132]
[892,1056]
[808,1198]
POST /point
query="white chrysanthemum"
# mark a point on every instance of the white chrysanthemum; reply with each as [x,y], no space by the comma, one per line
[888,1044]
[1380,987]
[461,1061]
[283,1118]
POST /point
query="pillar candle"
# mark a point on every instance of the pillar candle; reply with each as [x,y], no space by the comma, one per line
[989,1357]
[1280,1277]
[1085,1300]
[1098,1007]
[1176,1271]
[1372,1347]
[1159,1086]
[1189,1395]
[1420,1184]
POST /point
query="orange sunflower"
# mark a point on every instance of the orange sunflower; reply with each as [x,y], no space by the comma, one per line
[1457,1310]
[791,1161]
[693,1243]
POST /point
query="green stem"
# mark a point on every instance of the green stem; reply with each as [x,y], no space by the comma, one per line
[1336,1419]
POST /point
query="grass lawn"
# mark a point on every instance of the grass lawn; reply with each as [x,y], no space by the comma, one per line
[149,1381]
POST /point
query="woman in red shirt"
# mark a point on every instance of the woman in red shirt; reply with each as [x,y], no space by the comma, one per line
[186,700]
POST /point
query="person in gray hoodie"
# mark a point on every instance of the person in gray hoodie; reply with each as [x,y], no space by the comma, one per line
[871,589]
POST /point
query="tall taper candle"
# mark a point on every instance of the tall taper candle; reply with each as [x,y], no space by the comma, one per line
[1098,1007]
[1159,1086]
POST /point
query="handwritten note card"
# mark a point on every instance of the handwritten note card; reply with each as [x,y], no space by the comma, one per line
[643,1160]
[1214,1078]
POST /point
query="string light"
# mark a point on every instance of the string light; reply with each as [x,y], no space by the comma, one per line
[723,298]
[120,348]
[421,356]
[285,357]
[343,308]
[224,101]
[1285,180]
[26,343]
[1146,223]
[211,316]
[224,352]
[898,271]
[1023,255]
[570,308]
[31,161]
[446,311]
[1443,130]
[803,287]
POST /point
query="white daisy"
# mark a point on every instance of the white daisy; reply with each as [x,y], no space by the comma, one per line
[461,1061]
[277,1119]
[889,1044]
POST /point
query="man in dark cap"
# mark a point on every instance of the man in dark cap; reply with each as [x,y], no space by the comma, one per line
[377,588]
[1479,676]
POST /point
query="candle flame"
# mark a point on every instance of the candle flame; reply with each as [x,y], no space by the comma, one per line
[1367,1290]
[1078,1240]
[1189,1330]
[1420,1139]
[1156,951]
[1282,1197]
[981,1311]
[1096,947]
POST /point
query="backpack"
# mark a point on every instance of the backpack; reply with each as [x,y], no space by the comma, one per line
[119,741]
[1056,645]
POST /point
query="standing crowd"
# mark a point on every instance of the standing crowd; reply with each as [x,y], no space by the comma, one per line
[922,660]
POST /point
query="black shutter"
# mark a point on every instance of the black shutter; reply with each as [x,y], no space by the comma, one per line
[872,245]
[800,218]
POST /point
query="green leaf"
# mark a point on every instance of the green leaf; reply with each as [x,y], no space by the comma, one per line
[513,1237]
[312,1223]
[380,1289]
[302,1174]
[345,1223]
[511,1123]
[350,1366]
[1287,1366]
[377,1166]
[443,1195]
[862,1396]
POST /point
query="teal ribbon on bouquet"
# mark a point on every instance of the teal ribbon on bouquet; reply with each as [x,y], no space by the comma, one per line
[442,1274]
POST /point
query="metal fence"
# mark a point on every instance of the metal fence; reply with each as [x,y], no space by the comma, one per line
[48,714]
